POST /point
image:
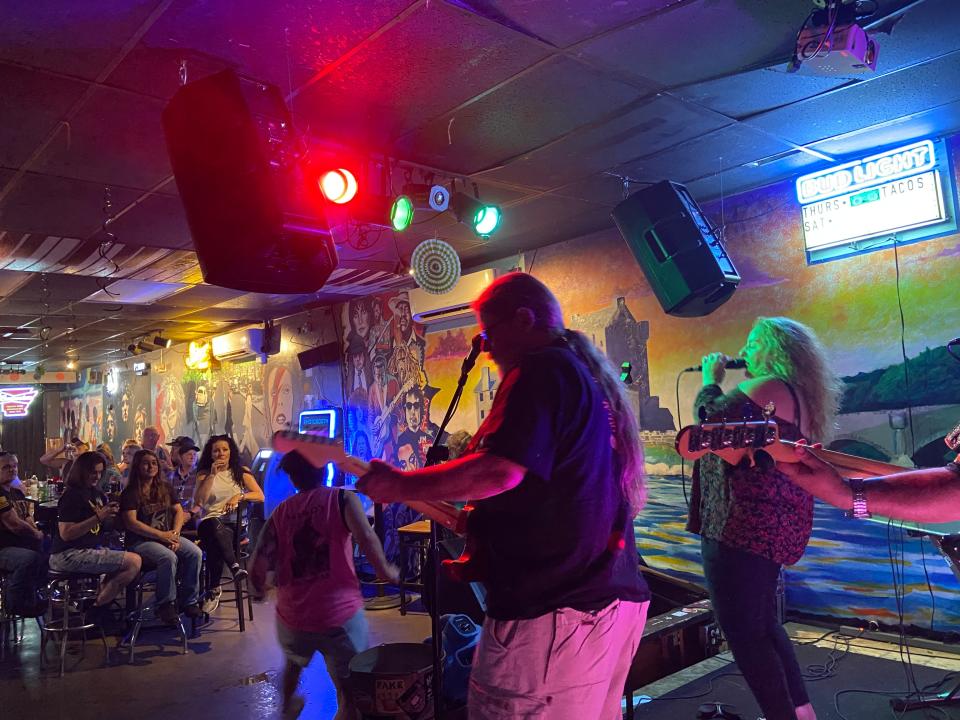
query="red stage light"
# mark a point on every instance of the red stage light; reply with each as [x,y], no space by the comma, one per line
[338,186]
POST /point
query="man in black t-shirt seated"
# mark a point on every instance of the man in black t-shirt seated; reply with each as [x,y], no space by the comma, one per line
[84,517]
[555,473]
[21,542]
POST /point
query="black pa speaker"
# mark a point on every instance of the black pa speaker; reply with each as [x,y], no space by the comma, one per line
[681,255]
[322,354]
[257,222]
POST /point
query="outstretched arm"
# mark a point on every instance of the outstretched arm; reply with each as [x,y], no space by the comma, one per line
[924,495]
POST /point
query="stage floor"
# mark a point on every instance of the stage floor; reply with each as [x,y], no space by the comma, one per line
[849,677]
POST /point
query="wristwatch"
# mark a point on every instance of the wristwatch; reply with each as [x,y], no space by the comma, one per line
[859,511]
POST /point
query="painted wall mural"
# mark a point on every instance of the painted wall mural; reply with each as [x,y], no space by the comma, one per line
[247,400]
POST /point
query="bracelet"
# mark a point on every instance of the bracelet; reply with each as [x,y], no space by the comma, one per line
[859,511]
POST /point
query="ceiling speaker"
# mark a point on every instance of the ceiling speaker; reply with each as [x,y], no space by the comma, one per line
[256,219]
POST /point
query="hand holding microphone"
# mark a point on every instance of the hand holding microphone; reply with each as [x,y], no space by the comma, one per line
[714,367]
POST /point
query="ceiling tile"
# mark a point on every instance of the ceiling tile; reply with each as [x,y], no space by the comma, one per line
[898,94]
[697,41]
[752,92]
[33,103]
[706,155]
[75,38]
[433,61]
[565,22]
[58,206]
[116,139]
[650,125]
[200,296]
[526,113]
[157,221]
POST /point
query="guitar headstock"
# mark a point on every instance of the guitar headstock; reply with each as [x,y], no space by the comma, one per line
[696,440]
[953,439]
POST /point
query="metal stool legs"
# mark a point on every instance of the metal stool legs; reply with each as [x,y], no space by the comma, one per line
[68,594]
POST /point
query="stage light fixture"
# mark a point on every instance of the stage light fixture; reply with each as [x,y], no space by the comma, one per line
[428,197]
[382,211]
[162,342]
[71,364]
[401,213]
[339,185]
[483,218]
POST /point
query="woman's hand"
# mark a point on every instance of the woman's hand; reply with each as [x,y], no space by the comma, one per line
[108,511]
[219,466]
[233,503]
[714,368]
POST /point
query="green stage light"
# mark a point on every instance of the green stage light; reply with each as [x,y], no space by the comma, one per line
[401,213]
[483,218]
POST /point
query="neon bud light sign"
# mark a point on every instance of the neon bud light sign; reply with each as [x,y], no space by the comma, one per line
[868,172]
[15,401]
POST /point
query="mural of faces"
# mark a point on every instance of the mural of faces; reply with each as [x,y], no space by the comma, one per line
[139,423]
[413,410]
[171,408]
[407,457]
[125,407]
[279,387]
[200,396]
[360,317]
[110,430]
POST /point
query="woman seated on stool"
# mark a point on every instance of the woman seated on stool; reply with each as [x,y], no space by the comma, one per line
[222,483]
[84,515]
[153,517]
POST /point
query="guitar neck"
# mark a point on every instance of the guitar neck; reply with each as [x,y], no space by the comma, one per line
[850,465]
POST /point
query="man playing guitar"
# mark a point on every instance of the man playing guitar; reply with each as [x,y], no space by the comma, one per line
[555,473]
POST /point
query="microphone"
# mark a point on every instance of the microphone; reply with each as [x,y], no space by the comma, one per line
[735,364]
[476,347]
[955,341]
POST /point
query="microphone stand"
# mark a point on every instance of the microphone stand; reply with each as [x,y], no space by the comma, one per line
[437,454]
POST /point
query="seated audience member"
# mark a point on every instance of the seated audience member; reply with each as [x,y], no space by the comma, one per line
[222,484]
[306,551]
[112,479]
[151,438]
[183,477]
[21,556]
[130,448]
[153,518]
[84,516]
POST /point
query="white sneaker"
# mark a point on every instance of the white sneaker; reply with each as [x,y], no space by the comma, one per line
[212,602]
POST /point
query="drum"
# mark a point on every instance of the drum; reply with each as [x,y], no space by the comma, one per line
[393,681]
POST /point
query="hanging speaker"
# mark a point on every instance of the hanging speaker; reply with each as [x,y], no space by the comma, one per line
[254,211]
[436,266]
[680,254]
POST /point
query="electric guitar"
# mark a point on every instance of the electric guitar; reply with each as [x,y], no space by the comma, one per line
[319,451]
[734,441]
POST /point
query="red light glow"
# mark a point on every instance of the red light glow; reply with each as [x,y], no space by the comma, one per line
[338,186]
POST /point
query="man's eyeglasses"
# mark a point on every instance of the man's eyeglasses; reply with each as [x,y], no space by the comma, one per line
[411,406]
[484,332]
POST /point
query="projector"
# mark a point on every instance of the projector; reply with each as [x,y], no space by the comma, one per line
[846,50]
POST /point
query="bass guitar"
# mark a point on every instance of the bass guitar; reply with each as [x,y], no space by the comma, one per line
[733,441]
[319,451]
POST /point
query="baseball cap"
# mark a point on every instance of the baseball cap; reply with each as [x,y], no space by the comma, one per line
[184,443]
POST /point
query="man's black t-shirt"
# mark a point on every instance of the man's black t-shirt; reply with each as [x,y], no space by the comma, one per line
[13,500]
[564,536]
[76,506]
[158,515]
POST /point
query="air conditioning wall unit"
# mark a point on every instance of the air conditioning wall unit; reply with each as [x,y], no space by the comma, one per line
[454,306]
[239,345]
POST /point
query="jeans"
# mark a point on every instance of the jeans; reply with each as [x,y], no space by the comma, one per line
[185,561]
[565,665]
[217,539]
[743,590]
[26,571]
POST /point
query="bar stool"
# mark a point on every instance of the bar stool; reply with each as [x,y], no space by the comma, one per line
[241,589]
[70,592]
[8,620]
[415,536]
[141,612]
